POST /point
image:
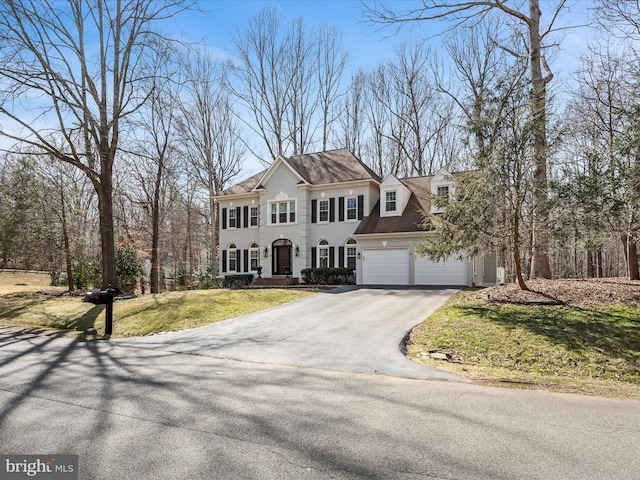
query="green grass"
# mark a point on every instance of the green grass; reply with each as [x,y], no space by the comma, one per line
[143,315]
[12,282]
[591,350]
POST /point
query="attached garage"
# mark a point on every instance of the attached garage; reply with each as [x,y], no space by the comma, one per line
[452,271]
[385,266]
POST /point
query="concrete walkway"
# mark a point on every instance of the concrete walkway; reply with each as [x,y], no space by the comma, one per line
[347,329]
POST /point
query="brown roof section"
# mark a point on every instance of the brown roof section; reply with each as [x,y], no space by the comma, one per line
[245,186]
[334,166]
[410,220]
[323,168]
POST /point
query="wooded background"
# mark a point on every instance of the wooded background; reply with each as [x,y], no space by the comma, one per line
[119,137]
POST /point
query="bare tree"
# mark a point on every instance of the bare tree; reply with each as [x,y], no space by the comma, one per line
[287,77]
[210,132]
[463,11]
[353,118]
[154,155]
[332,60]
[73,69]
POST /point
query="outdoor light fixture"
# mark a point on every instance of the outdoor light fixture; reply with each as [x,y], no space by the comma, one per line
[266,252]
[358,255]
[297,251]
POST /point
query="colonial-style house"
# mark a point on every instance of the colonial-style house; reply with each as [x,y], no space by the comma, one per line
[329,209]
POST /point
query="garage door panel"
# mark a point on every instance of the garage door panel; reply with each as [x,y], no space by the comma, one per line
[451,271]
[386,266]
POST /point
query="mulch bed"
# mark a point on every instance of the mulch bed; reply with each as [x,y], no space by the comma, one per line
[567,292]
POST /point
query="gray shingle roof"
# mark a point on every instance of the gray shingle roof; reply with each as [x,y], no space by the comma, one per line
[322,168]
[334,166]
[411,218]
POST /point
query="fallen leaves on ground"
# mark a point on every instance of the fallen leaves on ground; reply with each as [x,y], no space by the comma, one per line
[567,292]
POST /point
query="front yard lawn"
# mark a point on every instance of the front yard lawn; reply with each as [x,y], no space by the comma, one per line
[143,315]
[591,349]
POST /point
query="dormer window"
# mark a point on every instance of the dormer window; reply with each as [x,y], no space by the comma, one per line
[443,193]
[442,188]
[390,201]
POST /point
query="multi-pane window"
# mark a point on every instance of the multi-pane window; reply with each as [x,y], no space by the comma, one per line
[292,212]
[254,253]
[323,254]
[253,216]
[233,259]
[283,212]
[352,208]
[443,193]
[351,253]
[390,201]
[232,218]
[323,210]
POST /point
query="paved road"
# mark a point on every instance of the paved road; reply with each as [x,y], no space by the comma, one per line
[139,413]
[348,329]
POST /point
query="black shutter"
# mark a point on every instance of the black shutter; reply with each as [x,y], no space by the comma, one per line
[314,260]
[314,211]
[332,209]
[341,263]
[224,218]
[224,261]
[332,257]
[360,207]
[238,266]
[238,212]
[246,260]
[341,209]
[245,213]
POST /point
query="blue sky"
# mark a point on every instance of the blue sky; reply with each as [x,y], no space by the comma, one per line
[367,44]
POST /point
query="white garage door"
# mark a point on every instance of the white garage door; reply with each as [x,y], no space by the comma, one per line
[387,266]
[448,272]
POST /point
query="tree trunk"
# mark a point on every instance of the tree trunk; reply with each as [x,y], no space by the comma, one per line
[540,264]
[65,239]
[107,240]
[154,280]
[631,256]
[599,263]
[516,251]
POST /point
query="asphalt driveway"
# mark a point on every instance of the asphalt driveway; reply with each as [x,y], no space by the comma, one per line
[347,329]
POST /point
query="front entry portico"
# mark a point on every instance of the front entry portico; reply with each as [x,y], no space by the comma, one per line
[281,257]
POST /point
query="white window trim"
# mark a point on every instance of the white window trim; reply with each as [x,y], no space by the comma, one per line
[383,203]
[320,202]
[257,217]
[346,208]
[235,218]
[434,191]
[321,247]
[277,202]
[253,250]
[347,246]
[232,248]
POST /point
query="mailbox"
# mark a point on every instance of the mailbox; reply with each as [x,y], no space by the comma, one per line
[99,297]
[103,297]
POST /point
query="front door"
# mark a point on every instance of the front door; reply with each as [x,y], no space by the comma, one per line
[281,257]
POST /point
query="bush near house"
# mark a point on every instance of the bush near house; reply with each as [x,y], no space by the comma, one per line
[328,276]
[237,281]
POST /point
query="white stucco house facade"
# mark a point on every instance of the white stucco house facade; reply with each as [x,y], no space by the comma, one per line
[329,209]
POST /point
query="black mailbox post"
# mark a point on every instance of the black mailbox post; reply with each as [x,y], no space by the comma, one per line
[103,297]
